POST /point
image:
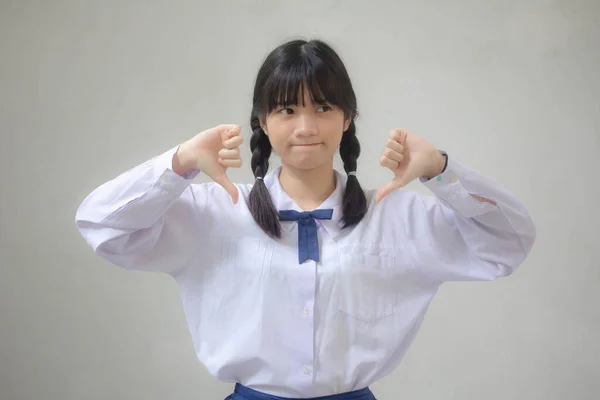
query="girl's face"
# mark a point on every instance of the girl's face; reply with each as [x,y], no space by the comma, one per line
[306,135]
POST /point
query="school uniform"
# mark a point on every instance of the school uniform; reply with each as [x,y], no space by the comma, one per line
[324,311]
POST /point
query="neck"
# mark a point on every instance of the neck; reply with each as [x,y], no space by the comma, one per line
[308,188]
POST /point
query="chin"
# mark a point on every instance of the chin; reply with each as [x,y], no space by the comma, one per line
[306,163]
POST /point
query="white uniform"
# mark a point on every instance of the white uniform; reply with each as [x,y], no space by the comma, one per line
[258,317]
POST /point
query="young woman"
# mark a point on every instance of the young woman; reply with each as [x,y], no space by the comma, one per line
[303,284]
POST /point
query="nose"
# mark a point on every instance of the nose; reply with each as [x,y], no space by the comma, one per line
[306,125]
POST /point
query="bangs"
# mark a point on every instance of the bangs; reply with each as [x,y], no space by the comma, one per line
[288,83]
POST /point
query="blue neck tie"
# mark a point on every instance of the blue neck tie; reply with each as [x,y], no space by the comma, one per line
[308,242]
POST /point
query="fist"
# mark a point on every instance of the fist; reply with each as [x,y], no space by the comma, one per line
[409,157]
[212,152]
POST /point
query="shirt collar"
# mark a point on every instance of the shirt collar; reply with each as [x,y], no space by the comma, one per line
[282,201]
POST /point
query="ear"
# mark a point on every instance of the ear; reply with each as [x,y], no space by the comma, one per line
[347,124]
[263,125]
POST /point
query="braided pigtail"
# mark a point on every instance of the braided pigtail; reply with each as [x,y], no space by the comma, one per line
[259,201]
[354,204]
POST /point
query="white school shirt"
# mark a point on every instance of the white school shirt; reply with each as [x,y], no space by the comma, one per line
[258,317]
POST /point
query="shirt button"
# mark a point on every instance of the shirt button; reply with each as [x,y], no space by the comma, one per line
[306,313]
[306,370]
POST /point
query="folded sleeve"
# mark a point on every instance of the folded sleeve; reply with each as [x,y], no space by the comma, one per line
[144,219]
[464,238]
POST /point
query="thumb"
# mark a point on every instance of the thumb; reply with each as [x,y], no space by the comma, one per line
[385,190]
[224,181]
[396,183]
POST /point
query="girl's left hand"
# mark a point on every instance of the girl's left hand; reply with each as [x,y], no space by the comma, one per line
[409,157]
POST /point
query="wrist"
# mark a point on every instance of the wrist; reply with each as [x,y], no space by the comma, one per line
[438,165]
[183,162]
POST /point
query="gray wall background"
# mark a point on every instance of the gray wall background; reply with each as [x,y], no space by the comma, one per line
[91,88]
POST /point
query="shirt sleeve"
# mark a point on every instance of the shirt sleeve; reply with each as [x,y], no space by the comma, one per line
[145,218]
[464,238]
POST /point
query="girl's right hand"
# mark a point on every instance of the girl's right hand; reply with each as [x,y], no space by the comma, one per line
[212,152]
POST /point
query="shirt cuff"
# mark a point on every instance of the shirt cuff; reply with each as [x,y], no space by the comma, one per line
[166,177]
[448,188]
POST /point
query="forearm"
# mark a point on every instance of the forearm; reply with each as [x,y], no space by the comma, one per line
[128,219]
[492,221]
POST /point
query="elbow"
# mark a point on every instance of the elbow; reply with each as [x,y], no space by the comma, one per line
[84,223]
[86,217]
[118,247]
[525,245]
[527,237]
[523,235]
[511,255]
[89,226]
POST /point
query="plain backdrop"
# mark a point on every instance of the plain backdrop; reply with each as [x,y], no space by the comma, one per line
[89,89]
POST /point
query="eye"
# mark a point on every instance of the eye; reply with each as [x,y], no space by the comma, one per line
[286,111]
[325,108]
